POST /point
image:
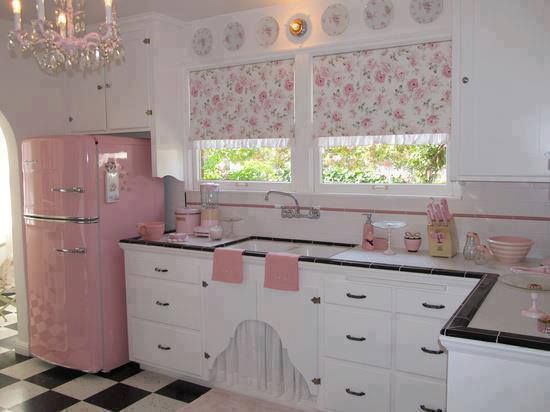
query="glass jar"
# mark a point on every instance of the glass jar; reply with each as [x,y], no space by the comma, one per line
[483,254]
[210,195]
[470,247]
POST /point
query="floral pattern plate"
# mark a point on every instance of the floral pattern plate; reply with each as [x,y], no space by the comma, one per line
[233,36]
[202,42]
[267,31]
[335,20]
[378,14]
[426,11]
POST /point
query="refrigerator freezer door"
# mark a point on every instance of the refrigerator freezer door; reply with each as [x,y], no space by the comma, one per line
[60,177]
[63,287]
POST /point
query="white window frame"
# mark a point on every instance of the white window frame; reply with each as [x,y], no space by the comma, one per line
[306,174]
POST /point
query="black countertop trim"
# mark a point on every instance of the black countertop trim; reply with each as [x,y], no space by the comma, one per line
[457,326]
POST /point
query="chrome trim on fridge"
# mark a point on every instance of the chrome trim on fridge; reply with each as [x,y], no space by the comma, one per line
[64,219]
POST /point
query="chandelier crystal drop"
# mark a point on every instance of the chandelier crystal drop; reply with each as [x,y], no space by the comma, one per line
[64,44]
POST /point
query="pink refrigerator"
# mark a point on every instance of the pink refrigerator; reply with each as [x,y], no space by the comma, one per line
[82,194]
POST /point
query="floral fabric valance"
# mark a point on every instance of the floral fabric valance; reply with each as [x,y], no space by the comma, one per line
[395,95]
[243,106]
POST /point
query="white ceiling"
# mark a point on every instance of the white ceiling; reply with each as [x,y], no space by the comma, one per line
[186,10]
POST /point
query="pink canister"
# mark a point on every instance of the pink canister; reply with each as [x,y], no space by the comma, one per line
[187,220]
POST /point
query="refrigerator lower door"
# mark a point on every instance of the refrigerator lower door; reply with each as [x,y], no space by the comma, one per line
[64,293]
[60,177]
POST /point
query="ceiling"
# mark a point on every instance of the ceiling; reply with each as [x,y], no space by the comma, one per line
[186,10]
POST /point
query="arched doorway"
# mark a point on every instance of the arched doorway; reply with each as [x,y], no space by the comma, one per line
[13,232]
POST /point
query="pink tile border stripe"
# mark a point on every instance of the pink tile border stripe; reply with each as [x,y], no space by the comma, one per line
[395,212]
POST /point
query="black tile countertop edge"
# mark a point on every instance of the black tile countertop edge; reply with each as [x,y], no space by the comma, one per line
[457,326]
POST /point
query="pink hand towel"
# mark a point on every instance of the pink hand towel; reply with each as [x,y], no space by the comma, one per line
[228,265]
[281,272]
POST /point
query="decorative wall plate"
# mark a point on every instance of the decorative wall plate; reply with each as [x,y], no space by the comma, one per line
[426,11]
[378,14]
[335,19]
[202,42]
[233,36]
[267,31]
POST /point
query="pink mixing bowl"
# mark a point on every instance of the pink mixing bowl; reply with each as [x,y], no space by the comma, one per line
[510,249]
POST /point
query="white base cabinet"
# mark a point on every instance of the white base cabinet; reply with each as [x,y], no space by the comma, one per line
[364,340]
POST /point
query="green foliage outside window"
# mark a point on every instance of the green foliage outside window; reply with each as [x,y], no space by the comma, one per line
[374,164]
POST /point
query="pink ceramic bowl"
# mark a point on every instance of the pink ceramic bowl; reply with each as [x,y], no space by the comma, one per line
[510,249]
[151,230]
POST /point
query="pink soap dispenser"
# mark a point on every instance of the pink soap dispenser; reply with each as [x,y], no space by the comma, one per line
[368,234]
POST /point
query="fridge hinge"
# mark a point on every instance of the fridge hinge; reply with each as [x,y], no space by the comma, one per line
[316,381]
[316,300]
[147,40]
[206,355]
[204,284]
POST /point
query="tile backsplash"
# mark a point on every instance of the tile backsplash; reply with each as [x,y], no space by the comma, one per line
[490,209]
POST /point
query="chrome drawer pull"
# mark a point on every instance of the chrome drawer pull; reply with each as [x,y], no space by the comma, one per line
[426,409]
[159,303]
[349,295]
[75,251]
[159,270]
[428,306]
[74,189]
[161,347]
[350,392]
[353,338]
[432,352]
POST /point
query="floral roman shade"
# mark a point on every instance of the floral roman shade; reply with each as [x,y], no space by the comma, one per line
[243,106]
[399,95]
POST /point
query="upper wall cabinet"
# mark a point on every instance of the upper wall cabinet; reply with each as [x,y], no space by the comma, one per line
[502,90]
[142,94]
[116,98]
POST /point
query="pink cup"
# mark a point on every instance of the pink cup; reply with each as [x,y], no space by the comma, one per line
[412,245]
[151,230]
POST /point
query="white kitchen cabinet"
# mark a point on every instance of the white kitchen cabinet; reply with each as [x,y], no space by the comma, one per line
[502,93]
[226,305]
[295,317]
[415,393]
[142,94]
[115,98]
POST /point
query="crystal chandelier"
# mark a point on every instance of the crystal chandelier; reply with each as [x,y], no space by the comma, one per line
[64,45]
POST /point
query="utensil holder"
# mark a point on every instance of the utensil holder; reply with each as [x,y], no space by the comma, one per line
[443,240]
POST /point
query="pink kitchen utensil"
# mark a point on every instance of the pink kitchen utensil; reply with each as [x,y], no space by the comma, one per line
[445,208]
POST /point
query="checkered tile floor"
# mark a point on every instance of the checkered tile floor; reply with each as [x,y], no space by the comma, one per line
[29,384]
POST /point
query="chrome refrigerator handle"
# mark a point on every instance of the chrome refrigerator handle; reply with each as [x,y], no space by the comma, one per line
[75,251]
[74,189]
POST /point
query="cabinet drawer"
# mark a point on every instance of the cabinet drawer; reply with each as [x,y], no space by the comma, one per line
[164,346]
[416,338]
[358,295]
[163,266]
[351,388]
[417,302]
[419,394]
[358,335]
[164,301]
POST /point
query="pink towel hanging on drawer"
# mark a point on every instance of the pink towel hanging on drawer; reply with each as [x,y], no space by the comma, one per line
[281,272]
[228,265]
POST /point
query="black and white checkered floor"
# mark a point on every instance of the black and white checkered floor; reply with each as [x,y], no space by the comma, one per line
[29,384]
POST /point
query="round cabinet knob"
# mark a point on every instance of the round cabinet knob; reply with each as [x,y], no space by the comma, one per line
[99,87]
[465,80]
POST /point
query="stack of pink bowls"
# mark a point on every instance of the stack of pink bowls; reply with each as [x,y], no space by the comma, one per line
[510,249]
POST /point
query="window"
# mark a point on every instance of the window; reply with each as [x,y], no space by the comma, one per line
[383,117]
[242,123]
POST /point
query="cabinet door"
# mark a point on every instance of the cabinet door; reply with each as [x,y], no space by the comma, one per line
[504,92]
[295,317]
[127,85]
[226,305]
[86,96]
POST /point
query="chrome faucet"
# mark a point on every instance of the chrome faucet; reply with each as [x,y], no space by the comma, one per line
[289,212]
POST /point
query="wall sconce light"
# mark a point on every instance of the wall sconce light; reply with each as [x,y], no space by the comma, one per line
[298,28]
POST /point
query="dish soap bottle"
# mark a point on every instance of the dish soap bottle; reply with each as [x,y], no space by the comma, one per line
[368,234]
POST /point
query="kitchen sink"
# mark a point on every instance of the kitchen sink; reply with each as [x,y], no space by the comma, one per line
[302,249]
